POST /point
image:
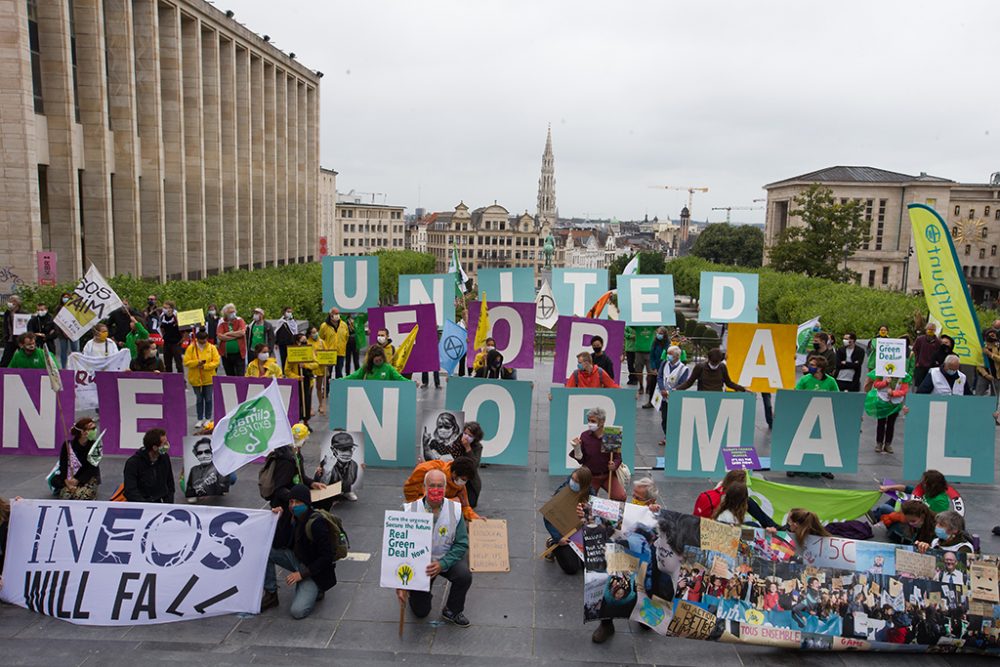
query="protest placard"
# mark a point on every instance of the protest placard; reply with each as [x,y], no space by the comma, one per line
[488,546]
[915,565]
[326,357]
[406,550]
[719,537]
[890,357]
[300,354]
[190,318]
[560,510]
[983,575]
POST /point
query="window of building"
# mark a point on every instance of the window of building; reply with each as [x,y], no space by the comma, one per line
[36,55]
[72,57]
[984,232]
[968,250]
[43,206]
[871,278]
[958,211]
[993,251]
[880,223]
[885,275]
[973,274]
[982,253]
[997,214]
[972,213]
[986,212]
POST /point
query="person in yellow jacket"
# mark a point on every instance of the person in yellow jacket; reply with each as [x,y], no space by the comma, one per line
[322,380]
[263,365]
[201,360]
[303,371]
[335,332]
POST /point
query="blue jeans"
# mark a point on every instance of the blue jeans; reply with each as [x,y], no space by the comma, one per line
[203,401]
[64,347]
[305,591]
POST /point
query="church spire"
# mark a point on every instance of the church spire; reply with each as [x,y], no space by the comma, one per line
[547,210]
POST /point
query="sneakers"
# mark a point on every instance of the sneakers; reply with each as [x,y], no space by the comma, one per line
[647,406]
[458,619]
[350,495]
[887,448]
[826,475]
[198,424]
[879,447]
[550,556]
[603,632]
[269,600]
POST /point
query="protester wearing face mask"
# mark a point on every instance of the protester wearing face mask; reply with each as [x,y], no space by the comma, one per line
[457,473]
[710,375]
[64,346]
[285,333]
[338,465]
[149,477]
[101,344]
[645,493]
[672,373]
[303,371]
[589,375]
[173,352]
[231,333]
[136,332]
[850,359]
[883,332]
[470,445]
[449,546]
[79,472]
[152,313]
[563,554]
[263,364]
[259,332]
[9,339]
[600,359]
[494,368]
[925,352]
[657,353]
[946,380]
[489,345]
[212,323]
[376,367]
[382,340]
[988,382]
[588,450]
[146,360]
[289,467]
[29,354]
[335,331]
[201,360]
[321,379]
[43,327]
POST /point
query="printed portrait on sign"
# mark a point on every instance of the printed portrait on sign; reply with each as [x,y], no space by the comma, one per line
[201,479]
[441,438]
[343,461]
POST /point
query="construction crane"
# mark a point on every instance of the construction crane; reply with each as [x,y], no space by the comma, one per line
[727,209]
[690,191]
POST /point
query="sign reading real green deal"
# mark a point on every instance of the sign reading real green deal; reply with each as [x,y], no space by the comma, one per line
[503,410]
[386,412]
[953,434]
[350,284]
[817,431]
[700,424]
[568,419]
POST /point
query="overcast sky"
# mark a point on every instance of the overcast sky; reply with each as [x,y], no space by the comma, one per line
[433,102]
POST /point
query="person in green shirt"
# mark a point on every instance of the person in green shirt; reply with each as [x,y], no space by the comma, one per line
[640,341]
[375,368]
[29,355]
[136,332]
[815,380]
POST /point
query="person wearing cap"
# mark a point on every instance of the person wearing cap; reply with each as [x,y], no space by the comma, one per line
[201,360]
[449,545]
[338,464]
[303,546]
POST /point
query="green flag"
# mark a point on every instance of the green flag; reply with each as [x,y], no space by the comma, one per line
[360,337]
[460,277]
[828,504]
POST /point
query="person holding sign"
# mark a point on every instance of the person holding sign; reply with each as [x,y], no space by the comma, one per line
[304,545]
[335,332]
[201,360]
[300,364]
[79,472]
[589,450]
[884,402]
[448,549]
[850,358]
[322,379]
[9,335]
[578,483]
[711,374]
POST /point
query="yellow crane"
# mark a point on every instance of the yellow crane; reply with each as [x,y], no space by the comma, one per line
[727,209]
[690,190]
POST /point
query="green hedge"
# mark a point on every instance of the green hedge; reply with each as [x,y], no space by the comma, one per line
[787,298]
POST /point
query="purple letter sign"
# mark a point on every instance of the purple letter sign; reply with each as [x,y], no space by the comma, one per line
[513,327]
[35,419]
[399,320]
[133,403]
[573,335]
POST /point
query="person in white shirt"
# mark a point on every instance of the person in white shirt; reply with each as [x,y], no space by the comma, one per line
[100,345]
[950,574]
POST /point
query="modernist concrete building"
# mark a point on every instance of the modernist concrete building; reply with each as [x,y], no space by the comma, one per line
[157,138]
[972,211]
[361,228]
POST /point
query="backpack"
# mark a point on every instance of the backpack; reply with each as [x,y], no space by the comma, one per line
[852,530]
[265,478]
[340,541]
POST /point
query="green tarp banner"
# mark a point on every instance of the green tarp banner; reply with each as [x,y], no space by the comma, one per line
[829,504]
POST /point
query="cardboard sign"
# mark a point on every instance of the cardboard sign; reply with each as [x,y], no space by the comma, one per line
[560,510]
[983,576]
[326,357]
[406,550]
[920,566]
[190,318]
[330,491]
[890,357]
[488,546]
[20,323]
[719,537]
[301,354]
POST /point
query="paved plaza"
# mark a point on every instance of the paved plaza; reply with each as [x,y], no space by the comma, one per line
[532,615]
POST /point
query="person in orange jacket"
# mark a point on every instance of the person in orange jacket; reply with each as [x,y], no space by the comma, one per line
[589,375]
[458,472]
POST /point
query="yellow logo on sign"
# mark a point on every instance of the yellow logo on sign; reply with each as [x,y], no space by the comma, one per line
[754,617]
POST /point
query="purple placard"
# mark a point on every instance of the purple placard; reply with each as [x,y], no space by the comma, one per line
[573,335]
[503,317]
[132,403]
[237,388]
[399,320]
[21,403]
[741,458]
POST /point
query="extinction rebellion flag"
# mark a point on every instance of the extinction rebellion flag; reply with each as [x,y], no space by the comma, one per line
[251,430]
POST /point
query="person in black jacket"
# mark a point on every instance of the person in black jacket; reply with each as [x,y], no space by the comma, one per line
[212,324]
[493,368]
[289,470]
[148,475]
[601,360]
[850,360]
[120,322]
[173,353]
[77,478]
[43,327]
[146,360]
[302,545]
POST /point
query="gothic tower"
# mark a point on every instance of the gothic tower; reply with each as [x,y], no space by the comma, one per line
[547,210]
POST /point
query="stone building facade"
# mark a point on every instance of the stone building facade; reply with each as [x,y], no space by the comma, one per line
[971,210]
[363,228]
[157,138]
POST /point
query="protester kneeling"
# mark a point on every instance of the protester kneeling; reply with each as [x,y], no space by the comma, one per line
[448,548]
[304,544]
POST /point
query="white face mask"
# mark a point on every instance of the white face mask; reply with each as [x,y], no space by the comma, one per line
[288,316]
[43,313]
[713,366]
[262,356]
[382,340]
[591,426]
[211,313]
[848,342]
[257,317]
[460,482]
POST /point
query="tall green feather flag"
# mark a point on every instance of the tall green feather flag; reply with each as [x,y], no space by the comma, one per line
[360,338]
[829,504]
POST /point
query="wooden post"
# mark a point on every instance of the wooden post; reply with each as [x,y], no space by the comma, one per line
[553,547]
[402,617]
[611,473]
